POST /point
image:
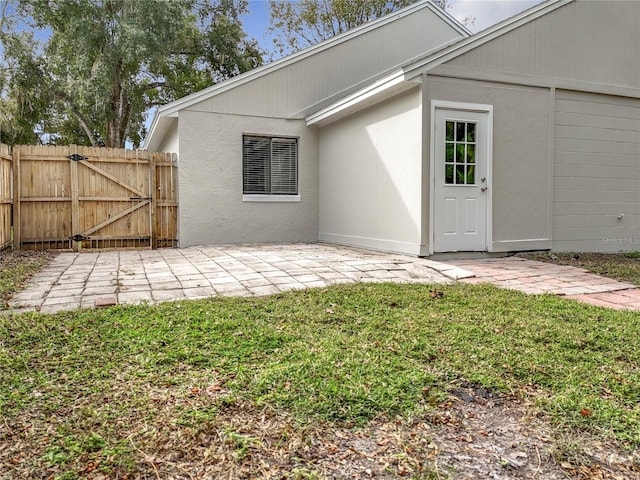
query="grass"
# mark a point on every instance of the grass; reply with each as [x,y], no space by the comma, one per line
[17,268]
[99,389]
[619,266]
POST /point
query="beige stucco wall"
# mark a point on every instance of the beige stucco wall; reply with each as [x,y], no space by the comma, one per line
[211,207]
[521,173]
[370,170]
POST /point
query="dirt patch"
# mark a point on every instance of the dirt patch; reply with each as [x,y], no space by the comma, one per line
[475,435]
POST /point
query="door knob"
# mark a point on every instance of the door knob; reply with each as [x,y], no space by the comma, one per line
[483,179]
[483,189]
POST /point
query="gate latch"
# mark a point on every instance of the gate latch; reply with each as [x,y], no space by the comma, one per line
[78,238]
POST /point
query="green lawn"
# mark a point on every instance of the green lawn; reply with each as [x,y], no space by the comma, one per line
[107,387]
[16,268]
[619,266]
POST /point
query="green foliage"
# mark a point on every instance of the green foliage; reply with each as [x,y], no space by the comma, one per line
[87,71]
[301,24]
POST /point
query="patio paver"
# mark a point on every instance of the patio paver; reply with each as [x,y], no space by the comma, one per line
[532,277]
[74,280]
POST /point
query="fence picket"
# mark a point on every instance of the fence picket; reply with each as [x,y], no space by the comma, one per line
[112,198]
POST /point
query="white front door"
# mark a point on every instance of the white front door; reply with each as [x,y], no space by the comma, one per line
[461,188]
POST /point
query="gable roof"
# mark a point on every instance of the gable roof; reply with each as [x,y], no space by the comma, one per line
[413,69]
[161,123]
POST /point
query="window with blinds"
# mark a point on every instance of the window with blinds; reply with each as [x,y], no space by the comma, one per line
[269,165]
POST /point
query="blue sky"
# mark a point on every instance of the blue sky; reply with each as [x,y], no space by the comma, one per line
[485,12]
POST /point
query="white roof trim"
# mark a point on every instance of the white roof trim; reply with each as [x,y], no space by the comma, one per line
[416,67]
[463,46]
[171,109]
[309,51]
[360,96]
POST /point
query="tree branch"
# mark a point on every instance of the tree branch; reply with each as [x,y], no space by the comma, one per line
[85,127]
[79,117]
[152,85]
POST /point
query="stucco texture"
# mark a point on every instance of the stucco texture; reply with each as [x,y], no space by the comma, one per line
[370,176]
[212,209]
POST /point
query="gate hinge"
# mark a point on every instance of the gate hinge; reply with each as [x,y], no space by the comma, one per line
[78,238]
[76,158]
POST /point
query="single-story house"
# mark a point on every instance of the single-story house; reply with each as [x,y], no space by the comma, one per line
[410,135]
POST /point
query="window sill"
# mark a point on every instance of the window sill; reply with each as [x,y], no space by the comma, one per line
[271,198]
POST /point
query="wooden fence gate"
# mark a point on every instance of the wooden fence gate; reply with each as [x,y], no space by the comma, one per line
[83,197]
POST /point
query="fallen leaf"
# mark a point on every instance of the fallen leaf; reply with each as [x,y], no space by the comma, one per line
[585,412]
[436,294]
[331,448]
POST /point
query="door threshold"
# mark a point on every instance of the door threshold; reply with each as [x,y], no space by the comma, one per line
[468,255]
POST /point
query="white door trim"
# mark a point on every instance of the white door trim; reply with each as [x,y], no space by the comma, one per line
[464,107]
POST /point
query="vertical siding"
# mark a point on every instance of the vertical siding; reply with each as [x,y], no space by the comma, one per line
[587,41]
[596,173]
[293,90]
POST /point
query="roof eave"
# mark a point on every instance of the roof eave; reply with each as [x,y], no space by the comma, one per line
[390,84]
[461,47]
[383,88]
[160,126]
[331,42]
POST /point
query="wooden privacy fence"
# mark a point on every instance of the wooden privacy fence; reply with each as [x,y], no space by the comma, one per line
[83,197]
[6,195]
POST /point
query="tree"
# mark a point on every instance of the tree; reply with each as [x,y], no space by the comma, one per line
[87,71]
[303,23]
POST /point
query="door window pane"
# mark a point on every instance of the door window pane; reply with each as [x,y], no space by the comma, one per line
[448,174]
[460,153]
[450,129]
[471,175]
[471,132]
[449,152]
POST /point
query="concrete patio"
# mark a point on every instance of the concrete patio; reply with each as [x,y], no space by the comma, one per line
[85,280]
[75,280]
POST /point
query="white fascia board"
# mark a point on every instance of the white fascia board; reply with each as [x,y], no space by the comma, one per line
[309,51]
[419,66]
[159,128]
[451,20]
[152,129]
[414,68]
[359,97]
